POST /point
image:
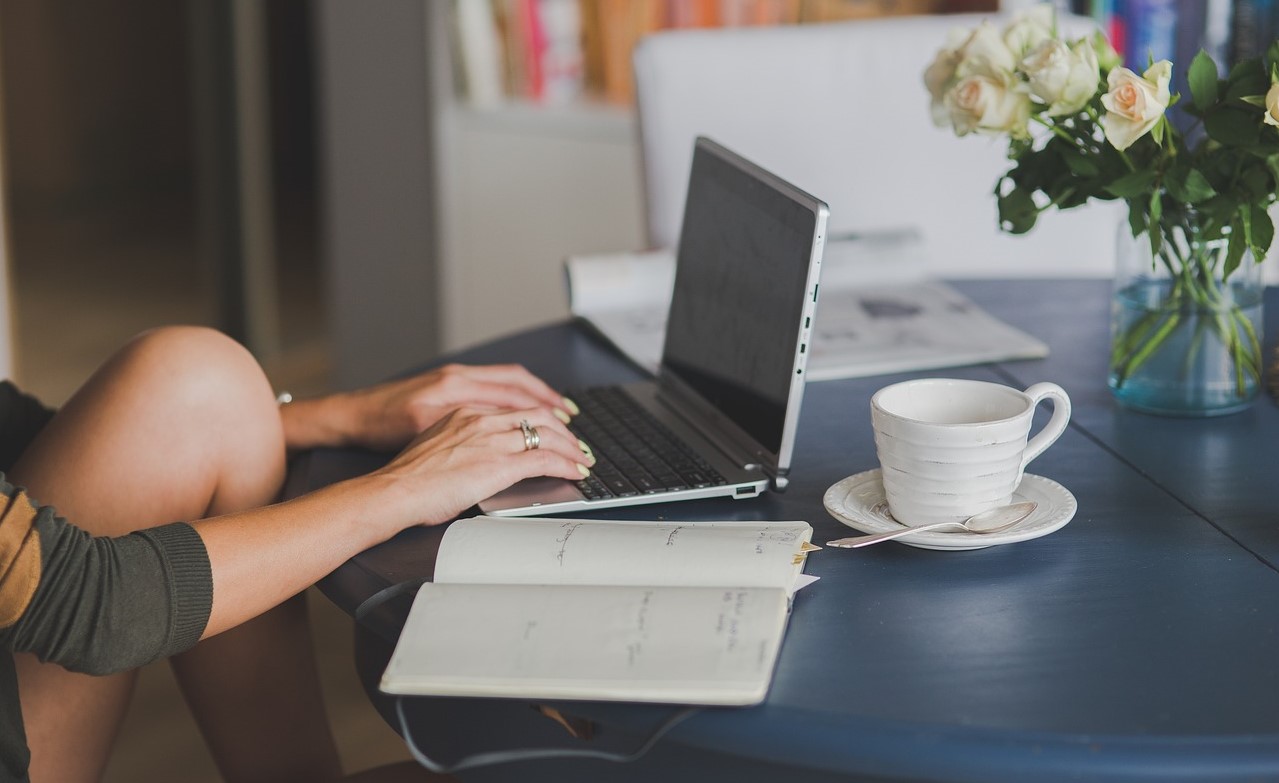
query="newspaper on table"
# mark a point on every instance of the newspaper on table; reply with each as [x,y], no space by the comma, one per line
[878,312]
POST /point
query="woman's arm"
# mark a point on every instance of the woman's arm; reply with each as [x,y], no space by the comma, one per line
[97,605]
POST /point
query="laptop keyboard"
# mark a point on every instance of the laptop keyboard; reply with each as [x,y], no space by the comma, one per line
[635,454]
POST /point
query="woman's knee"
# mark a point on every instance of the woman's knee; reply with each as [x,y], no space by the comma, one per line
[210,383]
[198,366]
[198,371]
[182,414]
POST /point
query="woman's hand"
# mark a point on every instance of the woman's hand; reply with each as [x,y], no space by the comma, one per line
[387,416]
[472,453]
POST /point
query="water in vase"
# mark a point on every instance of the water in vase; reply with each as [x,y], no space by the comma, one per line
[1193,369]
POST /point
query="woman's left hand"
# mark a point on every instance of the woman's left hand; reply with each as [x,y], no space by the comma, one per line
[387,416]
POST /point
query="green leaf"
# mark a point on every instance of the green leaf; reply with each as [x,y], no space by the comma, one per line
[1156,239]
[1246,78]
[1017,211]
[1234,248]
[1263,232]
[1272,163]
[1156,209]
[1136,183]
[1197,187]
[1080,165]
[1257,183]
[1233,127]
[1136,219]
[1216,215]
[1157,132]
[1272,52]
[1203,80]
[1188,185]
[1244,219]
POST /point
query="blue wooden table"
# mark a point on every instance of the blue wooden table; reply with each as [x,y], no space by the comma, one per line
[1138,643]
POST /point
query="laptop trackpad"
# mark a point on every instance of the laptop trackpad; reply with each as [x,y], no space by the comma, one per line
[535,491]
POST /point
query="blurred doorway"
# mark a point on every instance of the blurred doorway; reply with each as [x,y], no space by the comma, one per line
[103,146]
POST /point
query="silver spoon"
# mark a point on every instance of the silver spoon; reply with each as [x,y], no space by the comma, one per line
[989,521]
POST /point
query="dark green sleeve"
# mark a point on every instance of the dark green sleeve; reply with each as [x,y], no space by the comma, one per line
[102,605]
[21,419]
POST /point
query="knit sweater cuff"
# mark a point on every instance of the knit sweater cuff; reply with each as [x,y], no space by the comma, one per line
[191,579]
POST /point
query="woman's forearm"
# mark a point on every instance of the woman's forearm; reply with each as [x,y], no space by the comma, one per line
[319,422]
[262,557]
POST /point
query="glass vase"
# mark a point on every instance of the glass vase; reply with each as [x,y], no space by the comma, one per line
[1184,333]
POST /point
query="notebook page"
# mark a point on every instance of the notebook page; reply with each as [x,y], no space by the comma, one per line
[593,552]
[664,644]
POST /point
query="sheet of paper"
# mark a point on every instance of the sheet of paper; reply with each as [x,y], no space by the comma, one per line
[877,313]
[593,552]
[865,330]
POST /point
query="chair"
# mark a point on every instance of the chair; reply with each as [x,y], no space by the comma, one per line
[840,110]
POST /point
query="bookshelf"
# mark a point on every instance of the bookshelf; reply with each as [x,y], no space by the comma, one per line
[556,52]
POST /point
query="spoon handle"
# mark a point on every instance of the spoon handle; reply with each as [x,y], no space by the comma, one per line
[860,541]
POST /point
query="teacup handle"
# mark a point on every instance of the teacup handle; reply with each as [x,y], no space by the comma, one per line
[1055,426]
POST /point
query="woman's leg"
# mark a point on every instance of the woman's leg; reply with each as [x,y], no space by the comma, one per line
[180,424]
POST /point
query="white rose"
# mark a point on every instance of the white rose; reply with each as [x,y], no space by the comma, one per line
[985,51]
[1030,28]
[988,103]
[1272,105]
[967,51]
[1064,78]
[939,77]
[1135,103]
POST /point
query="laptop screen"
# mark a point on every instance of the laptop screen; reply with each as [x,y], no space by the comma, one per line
[740,277]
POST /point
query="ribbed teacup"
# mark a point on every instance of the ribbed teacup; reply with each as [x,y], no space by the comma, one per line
[951,448]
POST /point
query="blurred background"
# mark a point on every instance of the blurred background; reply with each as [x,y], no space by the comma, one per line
[106,238]
[104,202]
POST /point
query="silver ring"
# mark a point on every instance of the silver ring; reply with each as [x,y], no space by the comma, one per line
[531,439]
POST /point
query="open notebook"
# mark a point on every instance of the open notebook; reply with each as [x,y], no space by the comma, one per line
[599,610]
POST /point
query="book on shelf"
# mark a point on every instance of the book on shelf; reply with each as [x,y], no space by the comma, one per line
[559,51]
[690,613]
[878,313]
[1253,26]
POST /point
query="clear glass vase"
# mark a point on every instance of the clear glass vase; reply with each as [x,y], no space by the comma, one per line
[1184,334]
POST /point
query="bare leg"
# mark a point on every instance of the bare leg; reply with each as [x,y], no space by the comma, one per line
[181,424]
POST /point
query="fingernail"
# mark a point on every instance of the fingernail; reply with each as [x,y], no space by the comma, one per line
[583,470]
[561,415]
[572,406]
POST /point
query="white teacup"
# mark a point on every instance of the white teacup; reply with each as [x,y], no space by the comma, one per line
[953,448]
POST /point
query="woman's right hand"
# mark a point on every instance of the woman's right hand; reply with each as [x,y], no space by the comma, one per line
[472,453]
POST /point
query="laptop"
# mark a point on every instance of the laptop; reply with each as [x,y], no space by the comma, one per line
[720,416]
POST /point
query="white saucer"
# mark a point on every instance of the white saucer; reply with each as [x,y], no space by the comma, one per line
[858,501]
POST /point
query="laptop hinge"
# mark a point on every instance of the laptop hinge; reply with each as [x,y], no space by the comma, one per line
[713,427]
